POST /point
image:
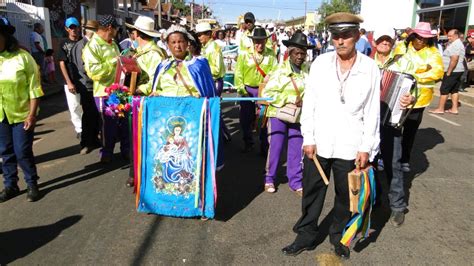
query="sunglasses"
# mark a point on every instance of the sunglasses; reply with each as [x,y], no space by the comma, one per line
[248,21]
[418,37]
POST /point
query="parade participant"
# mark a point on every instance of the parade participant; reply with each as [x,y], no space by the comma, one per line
[73,29]
[282,36]
[182,74]
[340,126]
[453,60]
[419,57]
[251,68]
[391,137]
[38,45]
[100,61]
[245,42]
[148,54]
[20,88]
[286,87]
[84,86]
[162,43]
[213,53]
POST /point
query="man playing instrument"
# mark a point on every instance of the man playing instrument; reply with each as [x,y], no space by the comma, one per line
[346,85]
[391,137]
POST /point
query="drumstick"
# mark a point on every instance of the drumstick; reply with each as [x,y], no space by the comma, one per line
[320,170]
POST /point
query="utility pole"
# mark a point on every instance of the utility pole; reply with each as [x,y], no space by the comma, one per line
[159,13]
[202,10]
[305,7]
[192,15]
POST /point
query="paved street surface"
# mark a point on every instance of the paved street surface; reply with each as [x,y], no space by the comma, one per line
[87,215]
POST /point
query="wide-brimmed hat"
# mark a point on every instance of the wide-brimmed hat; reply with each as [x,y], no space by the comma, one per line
[343,21]
[389,32]
[259,34]
[424,30]
[298,39]
[146,25]
[5,26]
[177,28]
[203,27]
[91,25]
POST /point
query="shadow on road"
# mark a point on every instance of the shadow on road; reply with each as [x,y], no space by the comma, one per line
[52,105]
[141,252]
[242,178]
[19,243]
[57,154]
[426,139]
[88,172]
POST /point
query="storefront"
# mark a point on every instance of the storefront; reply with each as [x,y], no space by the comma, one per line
[444,14]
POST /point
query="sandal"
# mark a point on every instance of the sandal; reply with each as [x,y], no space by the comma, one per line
[451,112]
[435,112]
[270,188]
[299,192]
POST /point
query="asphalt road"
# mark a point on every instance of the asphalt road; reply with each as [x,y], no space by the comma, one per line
[87,214]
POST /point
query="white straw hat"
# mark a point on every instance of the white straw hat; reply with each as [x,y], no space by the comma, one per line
[203,27]
[146,25]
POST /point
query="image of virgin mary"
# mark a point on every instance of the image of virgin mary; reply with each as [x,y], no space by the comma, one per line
[175,157]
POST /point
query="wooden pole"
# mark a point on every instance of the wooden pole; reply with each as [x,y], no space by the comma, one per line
[320,170]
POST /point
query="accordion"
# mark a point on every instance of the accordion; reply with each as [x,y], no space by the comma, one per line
[393,86]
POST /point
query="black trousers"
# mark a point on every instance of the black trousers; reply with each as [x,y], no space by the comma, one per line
[410,127]
[90,120]
[314,192]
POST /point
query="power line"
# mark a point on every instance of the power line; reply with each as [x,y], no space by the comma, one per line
[263,6]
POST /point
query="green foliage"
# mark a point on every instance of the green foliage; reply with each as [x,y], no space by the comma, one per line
[334,6]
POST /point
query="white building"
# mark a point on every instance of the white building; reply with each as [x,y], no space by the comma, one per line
[442,14]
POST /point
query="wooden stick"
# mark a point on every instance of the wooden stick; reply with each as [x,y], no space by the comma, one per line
[133,82]
[320,170]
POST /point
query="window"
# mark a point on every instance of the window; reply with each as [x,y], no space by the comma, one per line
[429,3]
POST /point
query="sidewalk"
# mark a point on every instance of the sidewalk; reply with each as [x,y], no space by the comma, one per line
[464,97]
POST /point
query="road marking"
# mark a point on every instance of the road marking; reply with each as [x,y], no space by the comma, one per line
[36,141]
[446,120]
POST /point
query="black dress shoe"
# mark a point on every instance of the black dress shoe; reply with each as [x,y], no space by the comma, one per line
[8,193]
[295,249]
[32,193]
[342,251]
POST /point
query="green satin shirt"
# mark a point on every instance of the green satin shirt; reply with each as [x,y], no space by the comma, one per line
[280,87]
[213,53]
[19,82]
[170,84]
[100,62]
[148,58]
[246,72]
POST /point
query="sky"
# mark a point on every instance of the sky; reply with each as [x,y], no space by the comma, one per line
[229,10]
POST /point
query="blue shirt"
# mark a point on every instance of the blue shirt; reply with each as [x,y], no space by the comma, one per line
[363,46]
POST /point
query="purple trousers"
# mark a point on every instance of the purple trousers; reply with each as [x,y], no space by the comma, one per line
[113,129]
[247,115]
[277,132]
[219,86]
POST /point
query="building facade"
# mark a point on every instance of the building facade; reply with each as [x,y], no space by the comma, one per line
[443,15]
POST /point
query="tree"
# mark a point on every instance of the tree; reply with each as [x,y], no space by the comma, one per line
[334,6]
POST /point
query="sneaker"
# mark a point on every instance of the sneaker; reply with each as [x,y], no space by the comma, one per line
[32,193]
[380,165]
[397,218]
[406,167]
[299,192]
[86,150]
[105,159]
[270,188]
[9,193]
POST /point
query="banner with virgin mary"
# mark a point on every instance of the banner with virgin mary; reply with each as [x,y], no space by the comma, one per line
[179,140]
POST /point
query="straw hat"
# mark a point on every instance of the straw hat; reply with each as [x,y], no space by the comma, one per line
[91,25]
[203,27]
[146,25]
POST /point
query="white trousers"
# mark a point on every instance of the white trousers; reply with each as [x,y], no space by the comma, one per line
[75,108]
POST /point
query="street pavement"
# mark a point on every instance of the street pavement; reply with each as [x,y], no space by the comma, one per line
[87,215]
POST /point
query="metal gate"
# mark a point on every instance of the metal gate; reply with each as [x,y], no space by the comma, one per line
[23,15]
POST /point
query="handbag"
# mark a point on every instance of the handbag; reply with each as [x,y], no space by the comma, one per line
[290,112]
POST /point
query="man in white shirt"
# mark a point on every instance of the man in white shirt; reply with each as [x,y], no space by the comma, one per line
[38,48]
[453,59]
[340,126]
[282,36]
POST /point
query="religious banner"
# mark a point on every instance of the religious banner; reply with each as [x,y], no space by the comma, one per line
[178,141]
